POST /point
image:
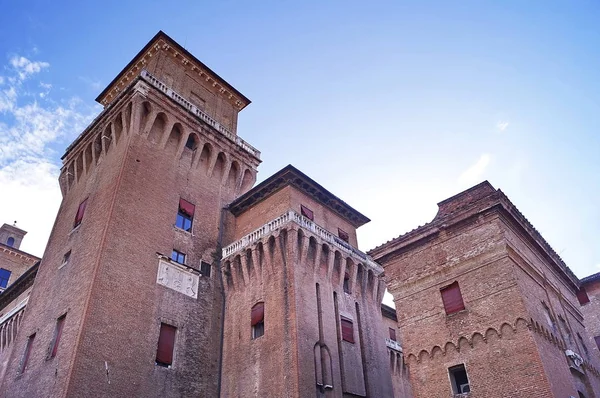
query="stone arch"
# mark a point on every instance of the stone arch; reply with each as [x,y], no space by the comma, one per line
[127,117]
[311,254]
[238,278]
[234,172]
[436,352]
[370,282]
[463,343]
[411,358]
[360,274]
[250,263]
[248,180]
[205,156]
[192,141]
[88,155]
[118,127]
[145,112]
[107,137]
[300,244]
[228,275]
[423,354]
[158,128]
[271,246]
[98,147]
[219,167]
[79,165]
[71,173]
[477,339]
[175,137]
[336,277]
[260,254]
[450,348]
[324,260]
[492,334]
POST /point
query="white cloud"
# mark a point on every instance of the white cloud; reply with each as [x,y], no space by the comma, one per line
[502,125]
[475,172]
[25,67]
[29,164]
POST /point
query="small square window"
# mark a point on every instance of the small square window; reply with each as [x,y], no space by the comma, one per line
[306,212]
[185,215]
[459,379]
[205,268]
[178,257]
[4,277]
[452,298]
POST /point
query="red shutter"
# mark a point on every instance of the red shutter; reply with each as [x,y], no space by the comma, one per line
[392,334]
[582,296]
[258,313]
[80,212]
[186,207]
[27,353]
[343,235]
[347,330]
[166,342]
[452,298]
[306,212]
[60,322]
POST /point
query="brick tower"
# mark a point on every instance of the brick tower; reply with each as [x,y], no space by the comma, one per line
[303,315]
[485,307]
[129,264]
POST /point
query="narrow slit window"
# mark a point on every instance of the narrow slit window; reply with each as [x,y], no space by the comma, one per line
[185,215]
[258,320]
[393,334]
[178,257]
[306,212]
[452,298]
[597,340]
[166,345]
[347,330]
[66,258]
[80,213]
[27,353]
[58,330]
[459,379]
[347,283]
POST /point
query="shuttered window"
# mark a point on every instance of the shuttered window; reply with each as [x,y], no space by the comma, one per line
[257,320]
[80,212]
[27,353]
[347,330]
[166,344]
[185,215]
[582,296]
[393,334]
[306,212]
[60,323]
[452,298]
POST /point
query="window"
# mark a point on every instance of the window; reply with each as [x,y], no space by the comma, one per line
[60,323]
[205,268]
[10,241]
[393,334]
[347,283]
[66,259]
[452,298]
[459,379]
[80,212]
[597,340]
[582,296]
[585,349]
[166,345]
[191,142]
[566,329]
[347,330]
[306,212]
[343,235]
[178,257]
[4,277]
[27,353]
[258,320]
[185,215]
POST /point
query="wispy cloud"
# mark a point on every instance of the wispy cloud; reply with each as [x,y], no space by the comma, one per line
[31,127]
[502,125]
[95,85]
[475,172]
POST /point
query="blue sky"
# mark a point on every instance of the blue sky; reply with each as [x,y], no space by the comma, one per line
[394,106]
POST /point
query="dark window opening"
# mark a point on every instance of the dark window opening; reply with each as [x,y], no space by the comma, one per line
[178,257]
[346,283]
[597,340]
[452,298]
[66,258]
[185,215]
[257,319]
[191,142]
[343,235]
[80,213]
[10,241]
[166,345]
[205,268]
[306,212]
[582,296]
[580,394]
[393,334]
[347,330]
[4,277]
[459,379]
[60,323]
[27,353]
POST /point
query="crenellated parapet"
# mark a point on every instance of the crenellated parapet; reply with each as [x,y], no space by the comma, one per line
[312,246]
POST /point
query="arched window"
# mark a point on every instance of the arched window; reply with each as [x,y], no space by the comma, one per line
[347,283]
[258,320]
[10,241]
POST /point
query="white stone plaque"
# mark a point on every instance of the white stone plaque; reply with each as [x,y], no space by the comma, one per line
[177,278]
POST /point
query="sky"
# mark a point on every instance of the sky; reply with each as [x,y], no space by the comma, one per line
[393,106]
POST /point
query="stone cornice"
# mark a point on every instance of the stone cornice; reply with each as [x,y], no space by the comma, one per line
[19,253]
[162,42]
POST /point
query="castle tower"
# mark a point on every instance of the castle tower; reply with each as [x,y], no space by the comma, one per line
[127,301]
[485,307]
[303,304]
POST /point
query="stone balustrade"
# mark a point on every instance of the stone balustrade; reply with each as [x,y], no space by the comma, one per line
[393,344]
